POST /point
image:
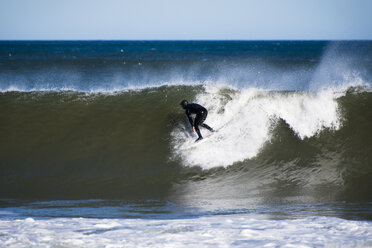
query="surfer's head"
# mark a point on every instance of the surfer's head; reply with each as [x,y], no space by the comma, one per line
[184,104]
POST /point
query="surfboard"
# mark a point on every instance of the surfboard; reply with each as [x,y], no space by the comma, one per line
[197,143]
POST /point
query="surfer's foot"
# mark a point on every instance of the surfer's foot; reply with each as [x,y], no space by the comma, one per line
[210,129]
[199,139]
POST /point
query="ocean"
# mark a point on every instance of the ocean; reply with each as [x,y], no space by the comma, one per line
[95,150]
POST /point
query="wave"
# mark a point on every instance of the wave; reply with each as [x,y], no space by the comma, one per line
[68,144]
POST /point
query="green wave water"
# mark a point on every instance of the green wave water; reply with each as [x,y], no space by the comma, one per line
[71,145]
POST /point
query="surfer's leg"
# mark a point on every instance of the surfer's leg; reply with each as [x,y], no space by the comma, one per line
[197,122]
[207,127]
[203,117]
[198,131]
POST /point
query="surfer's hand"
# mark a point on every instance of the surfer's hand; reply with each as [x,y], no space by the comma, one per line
[193,129]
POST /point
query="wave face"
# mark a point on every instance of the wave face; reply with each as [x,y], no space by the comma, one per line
[293,120]
[68,143]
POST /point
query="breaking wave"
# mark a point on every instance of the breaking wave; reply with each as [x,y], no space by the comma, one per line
[68,144]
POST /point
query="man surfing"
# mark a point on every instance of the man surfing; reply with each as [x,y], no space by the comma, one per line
[201,114]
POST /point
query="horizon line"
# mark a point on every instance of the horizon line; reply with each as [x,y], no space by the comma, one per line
[185,40]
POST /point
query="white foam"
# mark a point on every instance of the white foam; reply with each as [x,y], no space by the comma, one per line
[109,89]
[246,118]
[214,231]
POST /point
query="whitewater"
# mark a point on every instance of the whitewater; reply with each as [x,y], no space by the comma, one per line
[244,119]
[214,231]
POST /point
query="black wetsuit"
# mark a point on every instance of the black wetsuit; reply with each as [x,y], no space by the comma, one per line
[201,115]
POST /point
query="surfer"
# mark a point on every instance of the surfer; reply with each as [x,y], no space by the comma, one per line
[201,114]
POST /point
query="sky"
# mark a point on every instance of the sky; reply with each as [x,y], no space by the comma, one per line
[185,20]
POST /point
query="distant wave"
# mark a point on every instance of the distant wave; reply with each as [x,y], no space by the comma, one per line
[94,68]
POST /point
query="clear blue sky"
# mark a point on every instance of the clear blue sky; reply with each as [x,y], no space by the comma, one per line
[187,20]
